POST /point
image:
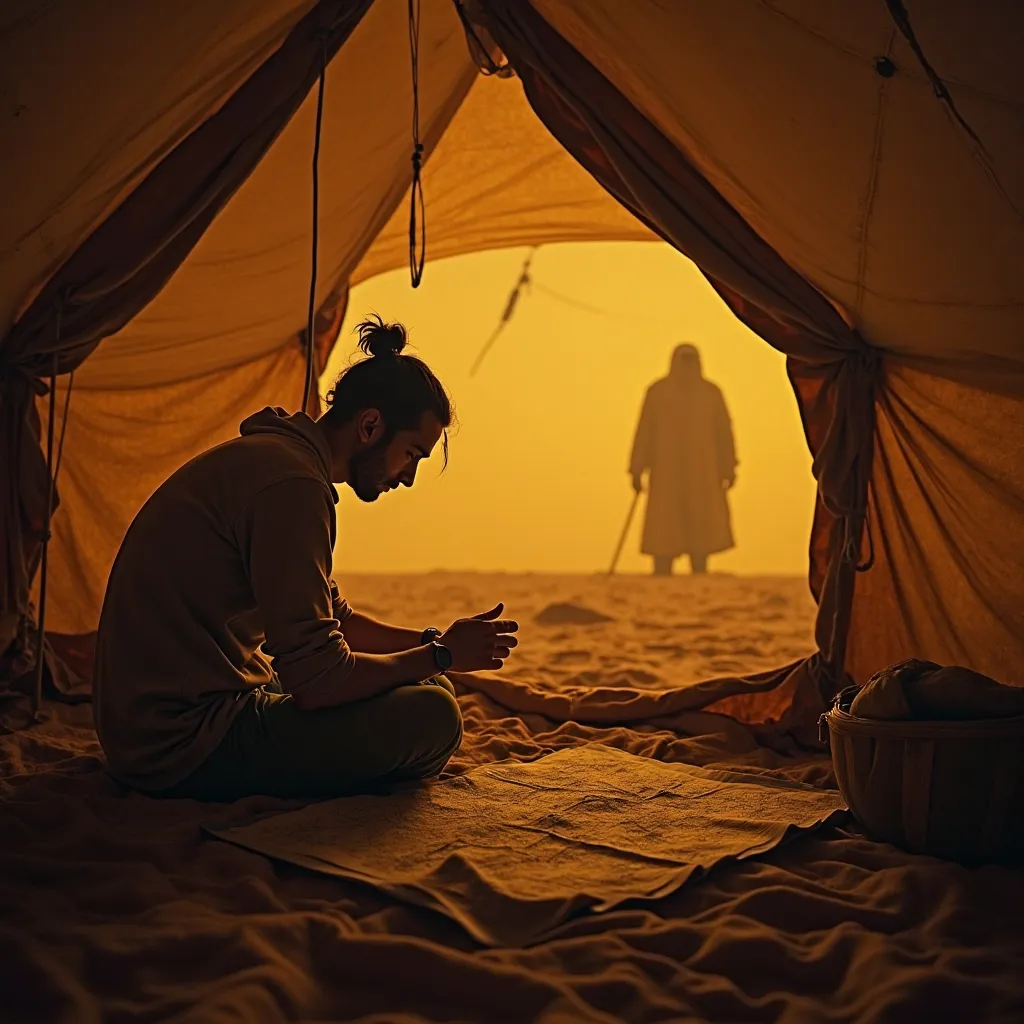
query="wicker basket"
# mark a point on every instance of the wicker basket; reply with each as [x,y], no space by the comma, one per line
[949,789]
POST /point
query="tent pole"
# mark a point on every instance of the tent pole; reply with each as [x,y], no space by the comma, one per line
[37,687]
[307,390]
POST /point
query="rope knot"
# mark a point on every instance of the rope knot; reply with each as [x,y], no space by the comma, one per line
[417,207]
[843,462]
[12,373]
[865,363]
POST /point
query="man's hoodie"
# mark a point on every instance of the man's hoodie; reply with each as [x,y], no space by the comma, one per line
[232,553]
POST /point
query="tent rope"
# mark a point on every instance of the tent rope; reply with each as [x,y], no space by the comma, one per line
[901,18]
[63,426]
[526,281]
[52,470]
[510,308]
[869,562]
[307,391]
[417,228]
[587,307]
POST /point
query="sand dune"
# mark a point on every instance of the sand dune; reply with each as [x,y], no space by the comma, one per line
[115,908]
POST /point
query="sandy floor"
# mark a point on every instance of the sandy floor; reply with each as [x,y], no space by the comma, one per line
[661,633]
[113,908]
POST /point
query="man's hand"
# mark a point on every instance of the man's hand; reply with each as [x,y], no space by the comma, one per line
[481,642]
[638,482]
[729,482]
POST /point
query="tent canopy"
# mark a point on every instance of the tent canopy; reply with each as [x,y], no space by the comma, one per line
[815,125]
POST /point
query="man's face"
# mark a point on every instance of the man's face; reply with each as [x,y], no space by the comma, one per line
[382,463]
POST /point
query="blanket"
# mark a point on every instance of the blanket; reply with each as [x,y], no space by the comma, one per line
[510,851]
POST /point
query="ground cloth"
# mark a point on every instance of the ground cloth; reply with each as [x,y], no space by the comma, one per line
[511,851]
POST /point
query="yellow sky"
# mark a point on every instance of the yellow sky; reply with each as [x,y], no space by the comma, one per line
[537,479]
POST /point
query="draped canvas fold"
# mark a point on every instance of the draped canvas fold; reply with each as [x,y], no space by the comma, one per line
[125,262]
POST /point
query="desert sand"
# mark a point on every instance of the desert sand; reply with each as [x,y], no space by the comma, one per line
[115,908]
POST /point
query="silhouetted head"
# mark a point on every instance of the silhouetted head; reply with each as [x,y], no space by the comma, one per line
[391,411]
[685,362]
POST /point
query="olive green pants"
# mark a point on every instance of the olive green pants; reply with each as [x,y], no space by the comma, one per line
[274,749]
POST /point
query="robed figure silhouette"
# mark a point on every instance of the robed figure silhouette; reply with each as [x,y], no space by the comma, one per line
[684,442]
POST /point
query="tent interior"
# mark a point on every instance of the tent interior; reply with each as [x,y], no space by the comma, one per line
[849,178]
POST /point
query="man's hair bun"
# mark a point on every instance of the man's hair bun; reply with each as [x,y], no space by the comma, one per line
[379,339]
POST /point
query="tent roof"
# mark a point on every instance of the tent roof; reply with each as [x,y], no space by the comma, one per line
[865,185]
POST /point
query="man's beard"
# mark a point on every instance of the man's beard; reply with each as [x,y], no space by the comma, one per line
[367,472]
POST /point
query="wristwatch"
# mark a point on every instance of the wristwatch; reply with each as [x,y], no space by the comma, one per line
[429,635]
[442,656]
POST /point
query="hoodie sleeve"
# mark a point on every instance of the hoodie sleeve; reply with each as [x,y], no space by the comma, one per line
[342,609]
[286,537]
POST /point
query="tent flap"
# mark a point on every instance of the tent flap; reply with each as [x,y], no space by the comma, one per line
[129,258]
[861,180]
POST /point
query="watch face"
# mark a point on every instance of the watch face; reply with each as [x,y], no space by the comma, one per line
[443,657]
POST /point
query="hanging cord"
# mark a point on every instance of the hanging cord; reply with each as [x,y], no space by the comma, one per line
[869,563]
[63,426]
[586,307]
[901,18]
[526,281]
[307,391]
[852,533]
[510,308]
[52,470]
[417,208]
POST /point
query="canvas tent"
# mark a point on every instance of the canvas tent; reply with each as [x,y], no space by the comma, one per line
[850,181]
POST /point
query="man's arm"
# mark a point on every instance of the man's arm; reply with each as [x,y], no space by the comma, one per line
[367,635]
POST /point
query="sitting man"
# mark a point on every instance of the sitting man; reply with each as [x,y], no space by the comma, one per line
[231,558]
